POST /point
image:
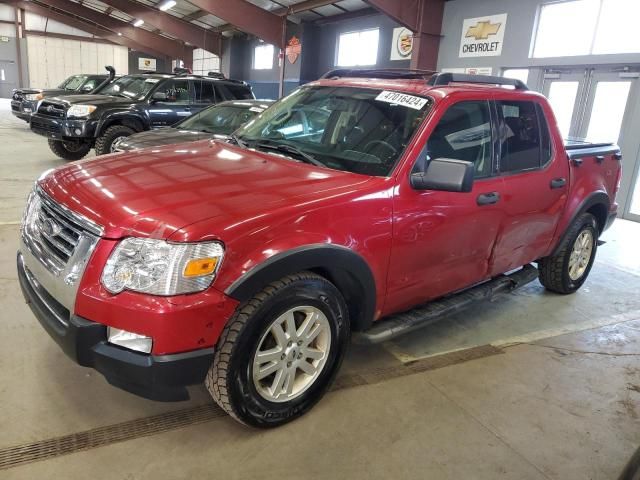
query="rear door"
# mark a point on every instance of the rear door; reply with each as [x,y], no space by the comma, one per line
[176,106]
[204,94]
[443,241]
[535,170]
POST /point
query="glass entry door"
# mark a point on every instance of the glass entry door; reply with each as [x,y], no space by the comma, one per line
[602,106]
[564,89]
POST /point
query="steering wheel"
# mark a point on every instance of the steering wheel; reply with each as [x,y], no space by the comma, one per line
[373,143]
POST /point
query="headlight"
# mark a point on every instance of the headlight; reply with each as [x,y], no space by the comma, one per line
[158,267]
[80,110]
[33,96]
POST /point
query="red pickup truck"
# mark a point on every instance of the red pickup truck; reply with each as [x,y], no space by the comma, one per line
[371,202]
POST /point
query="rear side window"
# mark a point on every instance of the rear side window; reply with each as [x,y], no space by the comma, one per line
[235,91]
[204,92]
[524,136]
[464,133]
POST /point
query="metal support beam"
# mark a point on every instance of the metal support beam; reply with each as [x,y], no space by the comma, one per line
[188,32]
[281,57]
[246,17]
[302,7]
[424,19]
[87,27]
[170,47]
[64,36]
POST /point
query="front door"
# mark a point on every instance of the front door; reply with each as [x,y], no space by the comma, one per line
[175,107]
[443,241]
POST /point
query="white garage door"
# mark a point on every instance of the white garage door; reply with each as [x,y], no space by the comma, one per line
[51,60]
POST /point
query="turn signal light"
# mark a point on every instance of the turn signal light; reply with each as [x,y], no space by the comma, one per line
[200,266]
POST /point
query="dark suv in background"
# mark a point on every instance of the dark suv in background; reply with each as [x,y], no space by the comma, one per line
[24,101]
[74,124]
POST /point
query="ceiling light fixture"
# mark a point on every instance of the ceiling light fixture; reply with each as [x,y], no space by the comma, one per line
[138,22]
[166,5]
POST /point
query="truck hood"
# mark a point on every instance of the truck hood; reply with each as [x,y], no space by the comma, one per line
[89,99]
[161,136]
[156,192]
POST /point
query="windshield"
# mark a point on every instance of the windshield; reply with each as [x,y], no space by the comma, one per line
[359,130]
[130,87]
[219,119]
[73,83]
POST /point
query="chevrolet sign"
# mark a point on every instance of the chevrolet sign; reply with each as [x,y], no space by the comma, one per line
[483,36]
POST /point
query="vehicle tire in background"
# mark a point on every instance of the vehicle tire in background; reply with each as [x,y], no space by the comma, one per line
[566,270]
[69,150]
[105,142]
[280,352]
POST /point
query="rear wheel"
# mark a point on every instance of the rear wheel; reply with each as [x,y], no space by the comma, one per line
[106,142]
[69,150]
[567,270]
[279,354]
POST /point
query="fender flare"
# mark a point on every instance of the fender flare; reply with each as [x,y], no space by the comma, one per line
[107,117]
[596,198]
[341,265]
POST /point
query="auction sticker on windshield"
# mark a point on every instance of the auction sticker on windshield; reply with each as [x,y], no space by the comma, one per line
[402,99]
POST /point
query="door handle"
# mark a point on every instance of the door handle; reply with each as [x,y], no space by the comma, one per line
[600,158]
[558,182]
[488,198]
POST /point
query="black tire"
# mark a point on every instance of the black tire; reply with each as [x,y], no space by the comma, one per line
[69,150]
[230,378]
[110,135]
[554,270]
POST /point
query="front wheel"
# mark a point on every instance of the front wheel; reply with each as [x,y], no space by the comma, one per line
[280,352]
[566,271]
[107,141]
[69,150]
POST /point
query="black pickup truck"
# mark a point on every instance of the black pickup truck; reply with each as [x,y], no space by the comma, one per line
[75,124]
[24,101]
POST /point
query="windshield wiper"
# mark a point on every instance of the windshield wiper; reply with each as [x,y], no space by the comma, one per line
[235,139]
[291,150]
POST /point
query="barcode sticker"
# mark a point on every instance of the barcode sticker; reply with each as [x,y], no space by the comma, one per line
[403,99]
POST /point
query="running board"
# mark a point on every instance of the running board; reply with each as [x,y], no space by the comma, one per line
[428,313]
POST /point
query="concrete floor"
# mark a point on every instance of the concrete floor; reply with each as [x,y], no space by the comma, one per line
[559,398]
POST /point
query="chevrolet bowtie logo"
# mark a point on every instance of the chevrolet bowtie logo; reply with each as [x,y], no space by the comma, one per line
[482,30]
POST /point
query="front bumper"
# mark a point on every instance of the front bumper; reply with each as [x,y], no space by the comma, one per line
[22,109]
[157,377]
[63,129]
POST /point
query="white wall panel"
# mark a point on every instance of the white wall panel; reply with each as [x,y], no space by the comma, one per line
[51,60]
[7,13]
[7,30]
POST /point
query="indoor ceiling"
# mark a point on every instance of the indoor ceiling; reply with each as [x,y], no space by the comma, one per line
[189,12]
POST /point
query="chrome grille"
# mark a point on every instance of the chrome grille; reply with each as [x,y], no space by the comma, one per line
[58,239]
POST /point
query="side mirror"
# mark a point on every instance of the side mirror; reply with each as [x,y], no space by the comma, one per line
[87,88]
[159,97]
[445,174]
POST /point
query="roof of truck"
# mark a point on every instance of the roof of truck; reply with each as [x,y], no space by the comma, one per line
[423,83]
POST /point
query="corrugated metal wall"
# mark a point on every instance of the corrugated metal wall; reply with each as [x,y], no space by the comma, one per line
[51,60]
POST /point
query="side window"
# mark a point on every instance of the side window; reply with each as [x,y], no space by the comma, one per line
[235,92]
[520,139]
[177,91]
[464,133]
[204,91]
